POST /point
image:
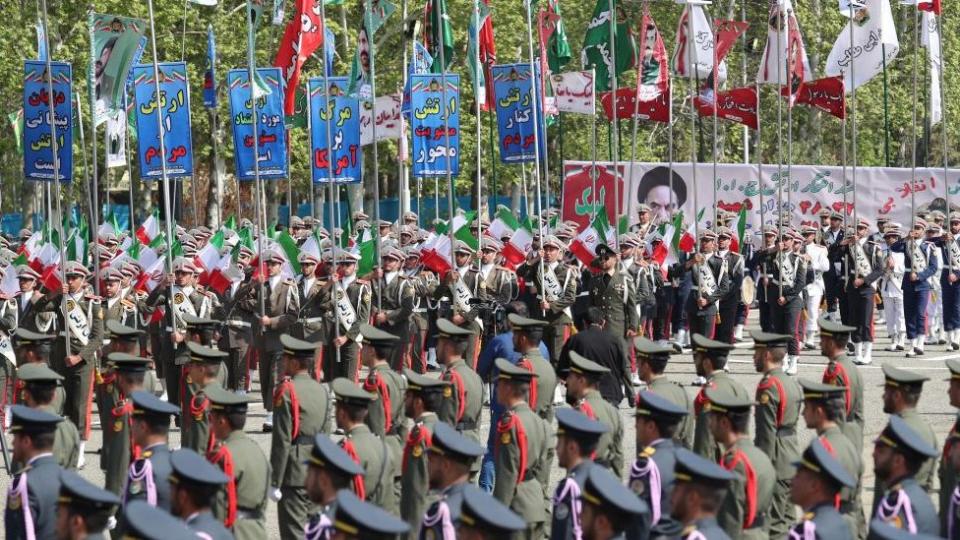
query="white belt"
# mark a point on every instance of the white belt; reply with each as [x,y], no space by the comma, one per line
[311,320]
[237,324]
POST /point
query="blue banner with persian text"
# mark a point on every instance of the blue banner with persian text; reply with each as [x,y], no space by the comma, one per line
[37,144]
[271,137]
[343,163]
[517,108]
[174,107]
[435,121]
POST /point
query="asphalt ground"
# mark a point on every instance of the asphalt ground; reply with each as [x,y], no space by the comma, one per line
[934,406]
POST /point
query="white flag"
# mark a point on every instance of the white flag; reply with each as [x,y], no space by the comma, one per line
[700,51]
[846,5]
[872,26]
[930,39]
[117,140]
[784,48]
[574,92]
[388,119]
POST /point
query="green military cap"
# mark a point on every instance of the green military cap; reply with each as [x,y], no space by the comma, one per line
[199,323]
[448,330]
[695,469]
[651,350]
[605,490]
[147,522]
[422,384]
[584,366]
[769,340]
[27,420]
[656,406]
[38,372]
[145,403]
[226,401]
[297,347]
[27,338]
[188,467]
[330,455]
[202,354]
[710,347]
[574,424]
[447,441]
[900,436]
[77,493]
[358,518]
[348,392]
[722,401]
[818,459]
[376,336]
[482,511]
[519,322]
[512,372]
[954,366]
[815,390]
[120,332]
[128,362]
[896,377]
[831,328]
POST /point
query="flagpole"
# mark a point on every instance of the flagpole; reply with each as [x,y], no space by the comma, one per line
[476,78]
[853,142]
[83,143]
[445,109]
[55,149]
[943,127]
[692,72]
[746,130]
[258,210]
[404,195]
[593,146]
[633,138]
[183,33]
[780,79]
[886,108]
[126,125]
[759,152]
[333,194]
[373,123]
[94,189]
[616,124]
[913,127]
[536,134]
[493,157]
[670,156]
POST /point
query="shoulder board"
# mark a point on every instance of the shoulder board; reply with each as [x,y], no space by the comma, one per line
[648,452]
[362,281]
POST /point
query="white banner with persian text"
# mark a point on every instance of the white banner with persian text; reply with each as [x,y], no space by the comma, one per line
[880,191]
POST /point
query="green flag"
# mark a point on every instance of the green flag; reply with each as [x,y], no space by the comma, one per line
[558,48]
[299,117]
[16,122]
[290,249]
[439,33]
[373,19]
[368,257]
[596,45]
[476,72]
[347,226]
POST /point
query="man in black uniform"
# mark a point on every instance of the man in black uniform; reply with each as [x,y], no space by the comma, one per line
[731,300]
[711,281]
[862,264]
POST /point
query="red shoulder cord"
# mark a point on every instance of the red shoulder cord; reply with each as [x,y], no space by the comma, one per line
[512,422]
[287,384]
[418,435]
[839,375]
[457,381]
[701,400]
[197,409]
[829,447]
[375,383]
[587,409]
[351,451]
[773,382]
[526,364]
[751,490]
[224,458]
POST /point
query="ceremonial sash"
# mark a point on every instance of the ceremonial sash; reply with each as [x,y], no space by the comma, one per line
[224,457]
[461,296]
[836,373]
[888,512]
[649,470]
[861,264]
[181,306]
[775,383]
[457,381]
[918,259]
[788,270]
[442,516]
[375,383]
[78,321]
[346,314]
[6,349]
[526,364]
[708,284]
[504,427]
[807,530]
[569,489]
[952,517]
[552,289]
[751,487]
[351,451]
[322,529]
[418,435]
[954,254]
[18,491]
[143,473]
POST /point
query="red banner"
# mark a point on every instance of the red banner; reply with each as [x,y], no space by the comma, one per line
[655,110]
[738,105]
[579,197]
[303,35]
[826,94]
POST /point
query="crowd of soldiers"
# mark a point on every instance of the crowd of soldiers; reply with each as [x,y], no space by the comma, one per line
[374,387]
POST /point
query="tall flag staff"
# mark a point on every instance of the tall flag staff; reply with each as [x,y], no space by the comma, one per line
[55,150]
[252,80]
[615,136]
[371,34]
[83,143]
[477,22]
[167,204]
[939,62]
[438,23]
[126,127]
[537,111]
[913,129]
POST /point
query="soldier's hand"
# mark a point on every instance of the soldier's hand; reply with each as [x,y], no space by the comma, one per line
[952,278]
[457,319]
[913,276]
[702,302]
[64,289]
[378,273]
[453,276]
[782,301]
[698,258]
[177,337]
[275,494]
[858,282]
[381,318]
[631,333]
[73,360]
[338,342]
[265,321]
[544,305]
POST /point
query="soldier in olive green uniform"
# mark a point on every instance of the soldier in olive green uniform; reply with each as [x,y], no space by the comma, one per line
[582,395]
[527,334]
[392,303]
[746,509]
[612,291]
[778,410]
[841,371]
[202,370]
[458,287]
[129,374]
[34,348]
[822,477]
[85,315]
[461,408]
[709,358]
[39,386]
[301,411]
[521,451]
[652,361]
[309,326]
[823,408]
[329,469]
[554,296]
[496,285]
[423,399]
[243,504]
[947,473]
[901,392]
[385,414]
[344,312]
[367,449]
[201,332]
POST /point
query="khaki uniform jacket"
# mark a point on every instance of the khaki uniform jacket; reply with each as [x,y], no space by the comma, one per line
[300,412]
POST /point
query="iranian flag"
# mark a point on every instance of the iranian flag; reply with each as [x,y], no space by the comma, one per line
[148,230]
[504,224]
[584,246]
[687,240]
[516,249]
[739,228]
[435,254]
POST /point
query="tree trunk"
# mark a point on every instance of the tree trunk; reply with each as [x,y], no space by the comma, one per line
[215,194]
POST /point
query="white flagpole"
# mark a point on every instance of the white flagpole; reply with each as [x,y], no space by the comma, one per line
[367,20]
[853,126]
[593,146]
[258,209]
[476,74]
[333,194]
[445,109]
[943,127]
[615,135]
[536,131]
[55,149]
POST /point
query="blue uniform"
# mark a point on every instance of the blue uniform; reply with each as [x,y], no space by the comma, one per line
[906,505]
[438,520]
[566,502]
[950,291]
[652,479]
[916,293]
[34,489]
[822,522]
